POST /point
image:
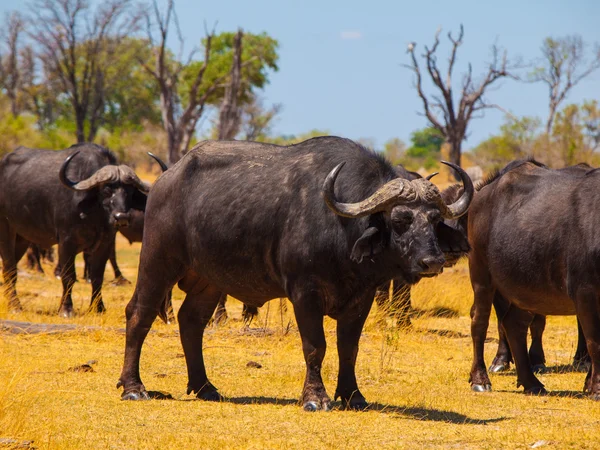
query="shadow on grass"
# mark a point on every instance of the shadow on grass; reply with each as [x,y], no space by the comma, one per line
[413,412]
[432,415]
[438,311]
[447,333]
[561,394]
[558,369]
[566,368]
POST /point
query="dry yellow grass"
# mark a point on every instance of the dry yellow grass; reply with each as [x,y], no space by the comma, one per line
[416,381]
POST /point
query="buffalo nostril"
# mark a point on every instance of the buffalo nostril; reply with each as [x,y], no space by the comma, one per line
[433,265]
[121,219]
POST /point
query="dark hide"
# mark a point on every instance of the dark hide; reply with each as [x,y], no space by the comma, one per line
[250,220]
[537,356]
[533,236]
[37,207]
[452,238]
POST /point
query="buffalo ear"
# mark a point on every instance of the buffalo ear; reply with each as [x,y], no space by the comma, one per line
[367,245]
[138,200]
[453,243]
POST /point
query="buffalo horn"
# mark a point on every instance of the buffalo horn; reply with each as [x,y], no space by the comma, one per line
[62,173]
[461,206]
[395,191]
[160,162]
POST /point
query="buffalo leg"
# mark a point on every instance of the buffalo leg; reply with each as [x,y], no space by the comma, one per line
[142,309]
[480,319]
[349,329]
[66,262]
[588,313]
[194,314]
[401,303]
[34,258]
[97,264]
[398,305]
[503,356]
[309,317]
[516,323]
[221,312]
[119,280]
[8,237]
[582,357]
[537,357]
[86,267]
[166,310]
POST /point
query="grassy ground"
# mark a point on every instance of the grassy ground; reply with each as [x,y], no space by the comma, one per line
[416,380]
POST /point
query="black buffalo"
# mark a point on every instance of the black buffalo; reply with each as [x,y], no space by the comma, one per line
[41,204]
[534,246]
[398,302]
[537,358]
[323,222]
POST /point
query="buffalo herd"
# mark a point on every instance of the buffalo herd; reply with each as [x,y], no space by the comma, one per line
[326,223]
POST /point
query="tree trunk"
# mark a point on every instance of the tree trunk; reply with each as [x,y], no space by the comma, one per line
[230,114]
[80,124]
[455,155]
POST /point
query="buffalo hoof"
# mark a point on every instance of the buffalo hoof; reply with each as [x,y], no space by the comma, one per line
[15,307]
[595,396]
[498,367]
[135,395]
[481,387]
[66,313]
[312,406]
[536,390]
[582,365]
[538,368]
[213,396]
[355,404]
[208,392]
[120,281]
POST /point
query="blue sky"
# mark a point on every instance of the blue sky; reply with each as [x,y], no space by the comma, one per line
[341,60]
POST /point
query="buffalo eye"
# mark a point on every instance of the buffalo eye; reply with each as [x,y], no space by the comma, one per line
[434,216]
[402,218]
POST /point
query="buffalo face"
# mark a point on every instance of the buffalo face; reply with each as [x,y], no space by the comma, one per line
[404,221]
[413,240]
[118,190]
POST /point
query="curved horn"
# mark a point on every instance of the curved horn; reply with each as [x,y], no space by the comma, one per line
[429,177]
[62,173]
[160,162]
[128,176]
[395,191]
[105,174]
[461,206]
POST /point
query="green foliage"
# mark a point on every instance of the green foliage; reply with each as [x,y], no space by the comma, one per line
[516,140]
[425,149]
[259,56]
[132,98]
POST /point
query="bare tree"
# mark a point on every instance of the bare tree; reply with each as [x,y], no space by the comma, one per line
[441,110]
[179,121]
[76,46]
[14,25]
[257,120]
[562,67]
[230,113]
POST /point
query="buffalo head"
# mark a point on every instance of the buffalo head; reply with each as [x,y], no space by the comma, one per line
[116,188]
[403,218]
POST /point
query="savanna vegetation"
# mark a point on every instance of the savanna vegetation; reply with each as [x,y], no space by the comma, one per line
[104,73]
[415,379]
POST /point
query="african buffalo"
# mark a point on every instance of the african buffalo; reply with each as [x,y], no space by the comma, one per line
[537,356]
[323,222]
[533,236]
[40,203]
